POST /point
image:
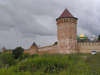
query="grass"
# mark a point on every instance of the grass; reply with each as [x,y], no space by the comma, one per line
[55,64]
[0,60]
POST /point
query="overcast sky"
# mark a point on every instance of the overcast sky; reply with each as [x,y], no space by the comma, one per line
[23,22]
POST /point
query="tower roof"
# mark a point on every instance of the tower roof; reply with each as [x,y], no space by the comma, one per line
[3,48]
[34,44]
[66,13]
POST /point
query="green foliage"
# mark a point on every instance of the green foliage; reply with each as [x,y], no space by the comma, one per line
[24,56]
[86,37]
[78,37]
[34,55]
[18,52]
[1,59]
[56,64]
[99,37]
[8,59]
[55,43]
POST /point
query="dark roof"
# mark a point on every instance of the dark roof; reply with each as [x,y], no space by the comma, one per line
[98,41]
[84,40]
[3,48]
[66,13]
[34,44]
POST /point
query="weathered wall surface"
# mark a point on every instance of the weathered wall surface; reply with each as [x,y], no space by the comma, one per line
[83,47]
[48,49]
[88,47]
[67,35]
[66,51]
[27,51]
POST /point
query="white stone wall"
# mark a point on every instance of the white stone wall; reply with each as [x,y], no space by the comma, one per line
[88,47]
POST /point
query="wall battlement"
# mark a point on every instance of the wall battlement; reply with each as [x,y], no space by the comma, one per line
[88,47]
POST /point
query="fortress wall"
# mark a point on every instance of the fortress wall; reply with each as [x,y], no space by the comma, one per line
[27,51]
[48,49]
[88,47]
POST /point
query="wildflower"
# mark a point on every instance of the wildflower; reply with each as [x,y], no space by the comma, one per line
[81,68]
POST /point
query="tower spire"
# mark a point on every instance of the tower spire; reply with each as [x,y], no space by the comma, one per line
[66,13]
[34,44]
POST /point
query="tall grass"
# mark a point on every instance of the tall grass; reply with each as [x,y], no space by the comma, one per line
[55,64]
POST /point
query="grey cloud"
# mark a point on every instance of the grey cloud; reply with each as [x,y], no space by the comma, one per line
[22,17]
[0,47]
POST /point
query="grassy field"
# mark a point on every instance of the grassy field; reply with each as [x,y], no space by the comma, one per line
[0,59]
[55,64]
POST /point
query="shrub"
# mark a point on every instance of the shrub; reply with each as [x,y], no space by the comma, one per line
[48,64]
[23,56]
[8,59]
[56,64]
[55,43]
[18,52]
[34,55]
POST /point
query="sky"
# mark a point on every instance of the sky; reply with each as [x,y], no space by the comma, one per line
[23,22]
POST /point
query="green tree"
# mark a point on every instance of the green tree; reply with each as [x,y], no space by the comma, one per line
[8,59]
[18,52]
[99,37]
[55,43]
[78,37]
[23,56]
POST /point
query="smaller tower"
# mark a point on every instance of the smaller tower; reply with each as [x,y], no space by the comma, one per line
[3,49]
[34,49]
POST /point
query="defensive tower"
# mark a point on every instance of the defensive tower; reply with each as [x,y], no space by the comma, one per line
[67,33]
[34,49]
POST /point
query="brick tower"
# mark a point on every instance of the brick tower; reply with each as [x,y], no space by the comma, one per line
[3,49]
[34,49]
[67,33]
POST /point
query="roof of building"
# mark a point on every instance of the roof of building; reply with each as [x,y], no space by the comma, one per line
[97,40]
[34,44]
[83,40]
[3,48]
[66,13]
[81,36]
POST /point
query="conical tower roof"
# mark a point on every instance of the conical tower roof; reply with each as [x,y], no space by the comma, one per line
[34,44]
[66,13]
[3,48]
